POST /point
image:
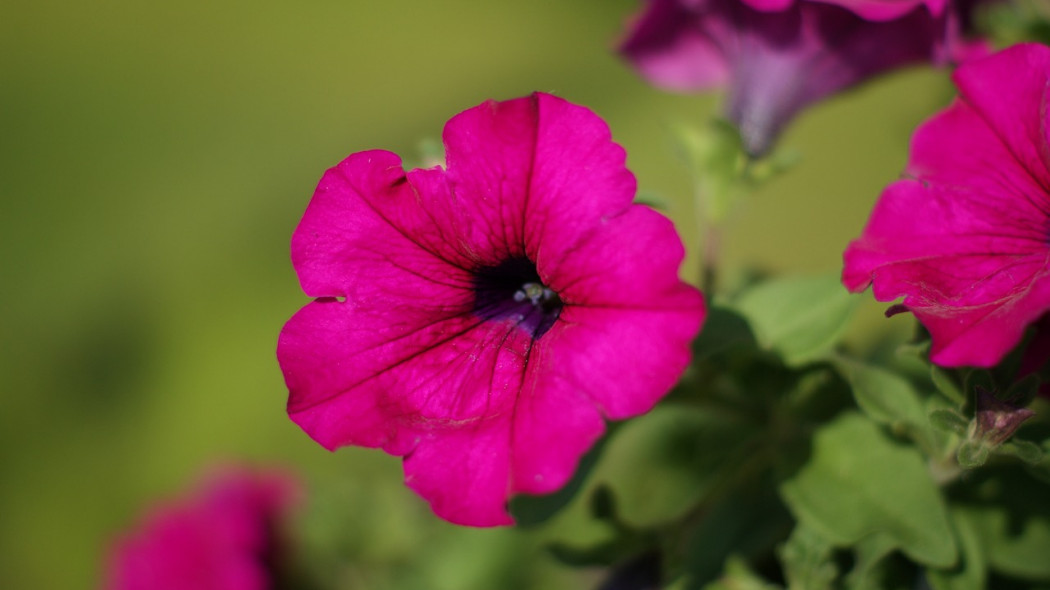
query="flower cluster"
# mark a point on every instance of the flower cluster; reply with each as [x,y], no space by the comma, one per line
[483,319]
[964,238]
[778,56]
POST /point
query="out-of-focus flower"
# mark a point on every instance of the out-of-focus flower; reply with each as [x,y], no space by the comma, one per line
[965,237]
[778,56]
[481,319]
[225,536]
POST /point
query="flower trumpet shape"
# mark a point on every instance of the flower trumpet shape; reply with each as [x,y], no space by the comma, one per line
[965,237]
[776,57]
[481,320]
[226,536]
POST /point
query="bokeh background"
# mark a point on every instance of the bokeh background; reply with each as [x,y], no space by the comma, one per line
[154,160]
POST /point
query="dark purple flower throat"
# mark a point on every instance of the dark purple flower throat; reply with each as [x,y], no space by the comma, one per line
[512,290]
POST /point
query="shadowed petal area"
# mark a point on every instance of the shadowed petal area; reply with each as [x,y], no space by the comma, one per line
[481,320]
[967,242]
[878,10]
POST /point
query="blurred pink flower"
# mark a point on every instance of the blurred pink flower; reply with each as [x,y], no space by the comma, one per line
[965,237]
[225,536]
[778,56]
[482,319]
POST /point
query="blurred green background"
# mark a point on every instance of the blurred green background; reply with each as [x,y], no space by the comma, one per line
[155,160]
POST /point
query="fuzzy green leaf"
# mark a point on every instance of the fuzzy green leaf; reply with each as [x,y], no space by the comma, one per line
[1024,450]
[886,397]
[799,318]
[1012,520]
[972,570]
[807,560]
[859,482]
[869,554]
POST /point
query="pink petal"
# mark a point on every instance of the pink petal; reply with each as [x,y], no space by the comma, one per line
[629,260]
[965,243]
[1009,92]
[464,473]
[669,50]
[627,359]
[362,225]
[540,169]
[555,422]
[626,312]
[367,379]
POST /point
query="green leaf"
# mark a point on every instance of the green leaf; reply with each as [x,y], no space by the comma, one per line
[1011,517]
[869,554]
[602,554]
[858,482]
[738,576]
[603,504]
[944,383]
[972,571]
[886,397]
[807,560]
[724,329]
[799,318]
[748,523]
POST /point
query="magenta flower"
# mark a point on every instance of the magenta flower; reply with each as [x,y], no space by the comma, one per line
[481,320]
[778,56]
[223,537]
[965,237]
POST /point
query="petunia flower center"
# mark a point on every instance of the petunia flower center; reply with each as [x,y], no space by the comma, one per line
[512,290]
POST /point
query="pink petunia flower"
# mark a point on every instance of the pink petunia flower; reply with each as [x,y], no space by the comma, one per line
[778,56]
[965,238]
[482,319]
[225,536]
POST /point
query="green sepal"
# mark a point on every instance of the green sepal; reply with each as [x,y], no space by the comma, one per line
[949,421]
[972,454]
